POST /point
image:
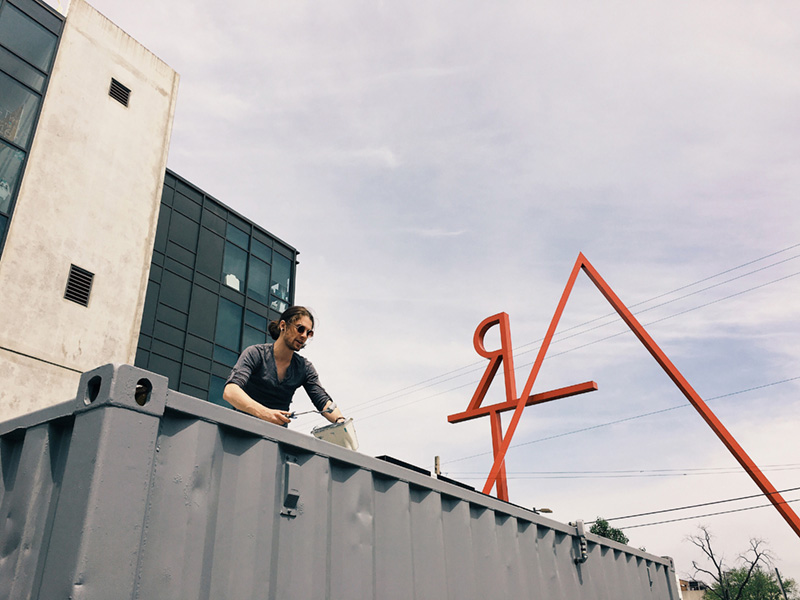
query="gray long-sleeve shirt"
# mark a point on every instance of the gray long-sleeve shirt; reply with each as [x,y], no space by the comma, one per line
[256,373]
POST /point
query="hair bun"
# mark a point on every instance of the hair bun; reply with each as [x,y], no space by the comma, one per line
[274,330]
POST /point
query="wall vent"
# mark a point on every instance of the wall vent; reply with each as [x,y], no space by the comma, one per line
[79,285]
[119,92]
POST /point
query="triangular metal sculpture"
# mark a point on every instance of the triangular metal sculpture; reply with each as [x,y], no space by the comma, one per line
[501,442]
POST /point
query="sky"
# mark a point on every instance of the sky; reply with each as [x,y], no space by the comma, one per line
[438,162]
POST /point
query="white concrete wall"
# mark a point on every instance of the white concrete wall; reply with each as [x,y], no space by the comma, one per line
[89,197]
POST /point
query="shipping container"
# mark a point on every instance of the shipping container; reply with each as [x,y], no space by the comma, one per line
[135,491]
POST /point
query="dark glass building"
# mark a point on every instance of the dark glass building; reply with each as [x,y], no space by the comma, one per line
[216,280]
[29,34]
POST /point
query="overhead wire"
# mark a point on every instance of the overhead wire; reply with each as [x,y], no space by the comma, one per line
[686,286]
[625,473]
[479,365]
[460,372]
[554,355]
[694,517]
[694,293]
[702,504]
[626,419]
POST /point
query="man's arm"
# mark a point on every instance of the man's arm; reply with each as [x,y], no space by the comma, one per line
[319,397]
[238,398]
[333,416]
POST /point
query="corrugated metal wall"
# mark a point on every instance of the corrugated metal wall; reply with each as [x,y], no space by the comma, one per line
[104,498]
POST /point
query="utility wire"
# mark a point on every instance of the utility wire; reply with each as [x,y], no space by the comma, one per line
[480,364]
[632,473]
[644,310]
[724,512]
[666,510]
[626,419]
[553,355]
[699,281]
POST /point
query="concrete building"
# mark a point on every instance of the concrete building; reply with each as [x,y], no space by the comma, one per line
[85,121]
[104,257]
[692,589]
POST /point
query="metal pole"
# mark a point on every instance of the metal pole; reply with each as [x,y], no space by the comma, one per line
[780,582]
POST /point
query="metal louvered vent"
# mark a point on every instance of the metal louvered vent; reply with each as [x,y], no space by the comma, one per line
[119,92]
[79,285]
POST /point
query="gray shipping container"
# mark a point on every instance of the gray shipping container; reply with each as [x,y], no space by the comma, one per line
[119,495]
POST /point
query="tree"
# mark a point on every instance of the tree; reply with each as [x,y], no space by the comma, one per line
[601,527]
[762,585]
[749,581]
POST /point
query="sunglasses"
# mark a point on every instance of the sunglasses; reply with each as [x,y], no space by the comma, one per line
[301,329]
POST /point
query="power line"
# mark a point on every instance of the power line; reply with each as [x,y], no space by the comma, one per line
[666,510]
[626,419]
[623,474]
[644,310]
[724,512]
[699,281]
[396,407]
[672,316]
[479,365]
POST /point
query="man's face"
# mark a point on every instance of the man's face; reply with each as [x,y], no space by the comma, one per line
[294,339]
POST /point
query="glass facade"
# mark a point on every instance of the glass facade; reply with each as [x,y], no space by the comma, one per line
[29,33]
[216,280]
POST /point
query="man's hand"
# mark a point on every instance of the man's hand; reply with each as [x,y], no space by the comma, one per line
[238,398]
[279,417]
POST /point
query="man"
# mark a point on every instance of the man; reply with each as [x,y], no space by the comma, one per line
[266,375]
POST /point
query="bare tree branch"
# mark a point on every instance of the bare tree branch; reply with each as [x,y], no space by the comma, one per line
[725,586]
[703,541]
[760,555]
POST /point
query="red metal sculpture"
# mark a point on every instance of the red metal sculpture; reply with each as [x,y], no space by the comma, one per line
[501,442]
[475,410]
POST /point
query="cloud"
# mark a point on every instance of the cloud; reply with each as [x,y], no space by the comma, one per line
[434,232]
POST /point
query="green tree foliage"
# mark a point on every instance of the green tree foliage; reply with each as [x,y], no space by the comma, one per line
[761,585]
[750,580]
[601,527]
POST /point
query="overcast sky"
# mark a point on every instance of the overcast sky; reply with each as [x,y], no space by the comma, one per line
[437,162]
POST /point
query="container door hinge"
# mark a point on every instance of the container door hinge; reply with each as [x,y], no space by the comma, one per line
[583,546]
[291,495]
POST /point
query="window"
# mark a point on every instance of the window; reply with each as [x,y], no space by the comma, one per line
[21,70]
[251,337]
[229,325]
[234,267]
[255,329]
[10,169]
[18,110]
[279,285]
[258,281]
[215,391]
[26,38]
[262,251]
[252,273]
[27,50]
[225,357]
[237,236]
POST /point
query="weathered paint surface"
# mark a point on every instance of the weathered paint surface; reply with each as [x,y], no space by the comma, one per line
[181,499]
[89,197]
